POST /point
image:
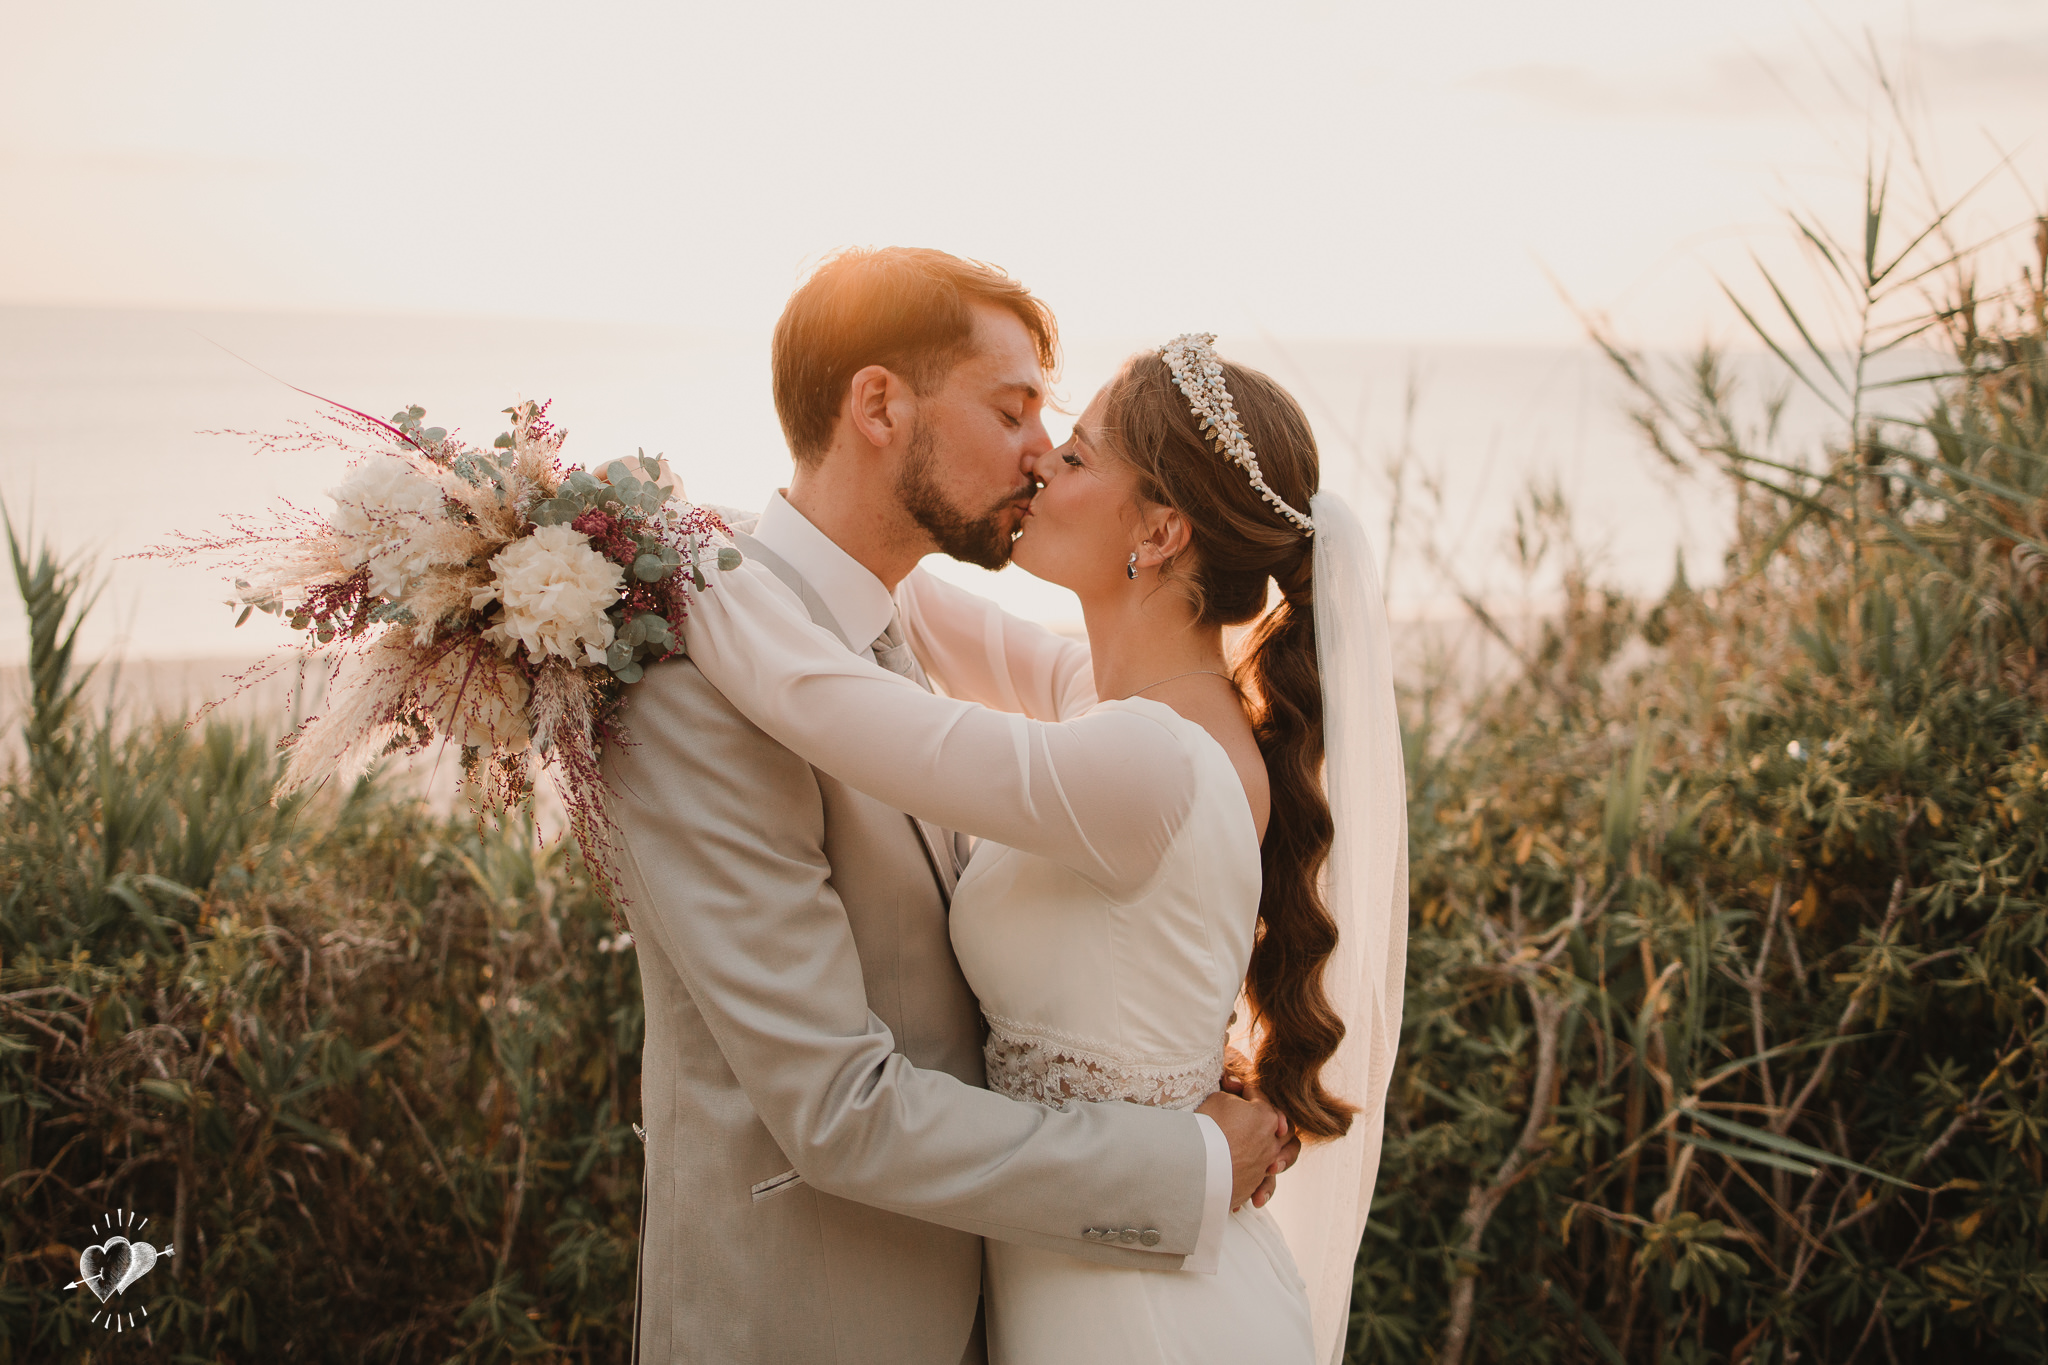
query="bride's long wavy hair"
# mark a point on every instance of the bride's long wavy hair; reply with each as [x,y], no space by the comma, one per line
[1238,545]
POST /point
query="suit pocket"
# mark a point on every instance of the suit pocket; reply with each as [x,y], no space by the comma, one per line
[775,1185]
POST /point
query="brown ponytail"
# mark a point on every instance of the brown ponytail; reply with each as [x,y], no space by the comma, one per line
[1239,545]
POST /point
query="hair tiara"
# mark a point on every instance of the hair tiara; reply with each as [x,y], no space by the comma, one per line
[1198,373]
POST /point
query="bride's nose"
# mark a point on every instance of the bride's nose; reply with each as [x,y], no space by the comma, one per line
[1041,467]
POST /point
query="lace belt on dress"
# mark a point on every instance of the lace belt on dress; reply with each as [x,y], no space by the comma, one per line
[1030,1062]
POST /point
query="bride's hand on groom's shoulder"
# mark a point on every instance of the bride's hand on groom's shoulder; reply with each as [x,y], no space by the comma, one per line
[1262,1143]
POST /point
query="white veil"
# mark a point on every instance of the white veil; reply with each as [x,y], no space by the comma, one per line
[1322,1202]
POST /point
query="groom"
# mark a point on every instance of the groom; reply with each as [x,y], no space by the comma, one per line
[823,1159]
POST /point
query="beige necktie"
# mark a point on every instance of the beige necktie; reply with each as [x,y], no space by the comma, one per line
[942,846]
[892,654]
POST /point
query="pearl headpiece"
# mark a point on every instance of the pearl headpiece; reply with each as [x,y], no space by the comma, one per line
[1198,373]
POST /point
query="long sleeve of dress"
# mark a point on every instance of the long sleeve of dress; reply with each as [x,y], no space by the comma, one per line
[1102,793]
[973,649]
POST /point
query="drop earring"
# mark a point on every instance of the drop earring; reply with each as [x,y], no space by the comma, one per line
[1131,569]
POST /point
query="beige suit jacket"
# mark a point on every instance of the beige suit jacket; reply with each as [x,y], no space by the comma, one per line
[822,1159]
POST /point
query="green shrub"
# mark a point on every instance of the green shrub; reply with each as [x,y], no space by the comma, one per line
[1725,1033]
[356,1062]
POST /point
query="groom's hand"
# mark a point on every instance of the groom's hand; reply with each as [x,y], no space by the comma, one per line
[1258,1137]
[1238,1074]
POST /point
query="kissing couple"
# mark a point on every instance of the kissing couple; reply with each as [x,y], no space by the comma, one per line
[993,978]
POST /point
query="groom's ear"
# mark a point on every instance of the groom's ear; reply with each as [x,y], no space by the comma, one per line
[878,405]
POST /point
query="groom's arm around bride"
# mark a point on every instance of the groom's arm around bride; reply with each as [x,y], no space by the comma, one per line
[822,1157]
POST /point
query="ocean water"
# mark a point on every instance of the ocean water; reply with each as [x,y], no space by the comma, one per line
[116,430]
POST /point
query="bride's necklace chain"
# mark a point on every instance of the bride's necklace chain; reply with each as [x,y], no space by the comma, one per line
[1178,676]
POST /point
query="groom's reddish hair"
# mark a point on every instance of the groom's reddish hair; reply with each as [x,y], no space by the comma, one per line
[907,309]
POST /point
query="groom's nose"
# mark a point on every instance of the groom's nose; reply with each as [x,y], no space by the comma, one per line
[1037,441]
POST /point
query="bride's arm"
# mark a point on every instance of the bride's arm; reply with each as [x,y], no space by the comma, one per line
[1103,794]
[973,649]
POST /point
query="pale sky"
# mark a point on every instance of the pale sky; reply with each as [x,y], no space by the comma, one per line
[1299,167]
[1422,177]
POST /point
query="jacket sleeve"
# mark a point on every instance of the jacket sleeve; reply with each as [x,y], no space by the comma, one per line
[974,650]
[1103,793]
[720,834]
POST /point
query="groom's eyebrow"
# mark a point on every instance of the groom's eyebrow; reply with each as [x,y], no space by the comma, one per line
[1018,385]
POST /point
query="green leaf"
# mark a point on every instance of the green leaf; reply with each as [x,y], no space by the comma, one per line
[326,1137]
[1746,1154]
[1789,1147]
[1779,351]
[171,1092]
[1798,322]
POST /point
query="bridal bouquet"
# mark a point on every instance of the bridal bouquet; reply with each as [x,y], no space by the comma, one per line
[488,598]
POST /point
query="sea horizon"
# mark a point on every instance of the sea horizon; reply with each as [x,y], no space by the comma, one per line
[120,427]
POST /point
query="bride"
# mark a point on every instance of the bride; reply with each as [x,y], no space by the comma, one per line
[1164,854]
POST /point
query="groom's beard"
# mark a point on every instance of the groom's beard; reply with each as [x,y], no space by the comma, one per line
[982,539]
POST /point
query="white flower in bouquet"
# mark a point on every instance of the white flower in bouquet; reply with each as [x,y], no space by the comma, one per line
[556,590]
[379,509]
[478,699]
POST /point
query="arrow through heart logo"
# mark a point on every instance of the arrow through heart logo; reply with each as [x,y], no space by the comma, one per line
[115,1264]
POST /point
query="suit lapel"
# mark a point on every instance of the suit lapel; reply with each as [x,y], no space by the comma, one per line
[940,845]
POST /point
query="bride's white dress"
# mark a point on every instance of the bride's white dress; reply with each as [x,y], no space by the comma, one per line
[1105,919]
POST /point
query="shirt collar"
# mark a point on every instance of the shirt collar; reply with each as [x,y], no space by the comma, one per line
[856,598]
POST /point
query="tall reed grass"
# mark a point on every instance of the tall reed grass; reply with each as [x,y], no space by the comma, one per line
[1726,1034]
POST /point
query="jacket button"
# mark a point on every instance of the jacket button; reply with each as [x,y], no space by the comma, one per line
[1128,1235]
[1150,1237]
